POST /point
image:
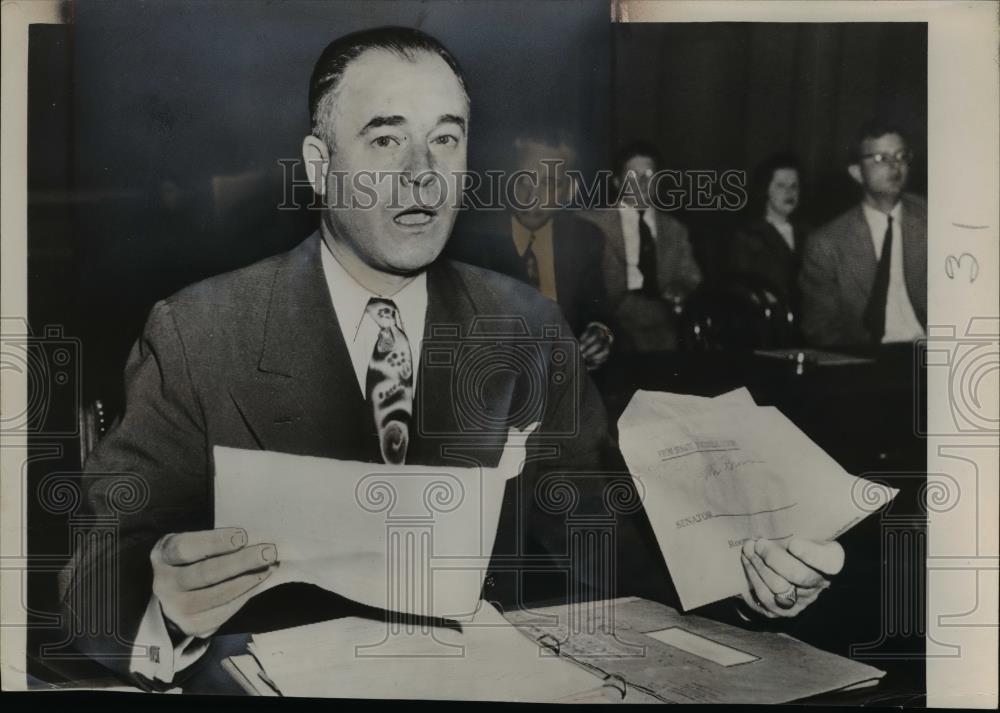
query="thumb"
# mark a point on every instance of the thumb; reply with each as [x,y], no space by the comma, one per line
[825,557]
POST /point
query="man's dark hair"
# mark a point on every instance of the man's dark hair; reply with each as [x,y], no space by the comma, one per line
[762,176]
[405,42]
[633,149]
[874,129]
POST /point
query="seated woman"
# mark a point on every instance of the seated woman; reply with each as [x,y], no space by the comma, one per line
[767,247]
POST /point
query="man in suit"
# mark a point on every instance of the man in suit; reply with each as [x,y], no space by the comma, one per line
[546,246]
[316,352]
[649,267]
[864,275]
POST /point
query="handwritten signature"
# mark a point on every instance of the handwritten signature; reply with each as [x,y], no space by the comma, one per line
[729,466]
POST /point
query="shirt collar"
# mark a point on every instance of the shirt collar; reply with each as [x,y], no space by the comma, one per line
[522,236]
[350,299]
[876,217]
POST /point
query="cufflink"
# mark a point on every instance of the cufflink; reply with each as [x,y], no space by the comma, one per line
[154,654]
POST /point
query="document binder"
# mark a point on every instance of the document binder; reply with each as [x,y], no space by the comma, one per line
[768,668]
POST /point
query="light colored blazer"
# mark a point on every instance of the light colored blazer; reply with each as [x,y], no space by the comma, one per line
[643,324]
[838,271]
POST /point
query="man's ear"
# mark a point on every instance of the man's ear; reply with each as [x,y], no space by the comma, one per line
[316,156]
[855,172]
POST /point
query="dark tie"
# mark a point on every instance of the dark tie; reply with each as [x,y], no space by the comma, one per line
[647,258]
[531,262]
[389,386]
[874,318]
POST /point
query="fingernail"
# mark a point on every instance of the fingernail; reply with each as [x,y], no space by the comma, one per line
[239,538]
[269,553]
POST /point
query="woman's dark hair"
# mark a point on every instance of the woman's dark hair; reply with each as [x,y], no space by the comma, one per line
[764,174]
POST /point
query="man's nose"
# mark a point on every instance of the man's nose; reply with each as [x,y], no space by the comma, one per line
[419,164]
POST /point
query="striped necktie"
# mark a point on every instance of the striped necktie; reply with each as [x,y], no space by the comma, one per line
[389,386]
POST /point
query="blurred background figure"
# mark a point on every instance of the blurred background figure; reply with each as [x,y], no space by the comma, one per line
[649,268]
[864,274]
[766,250]
[541,242]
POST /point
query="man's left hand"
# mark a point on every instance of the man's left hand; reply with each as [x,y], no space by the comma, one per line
[784,579]
[595,345]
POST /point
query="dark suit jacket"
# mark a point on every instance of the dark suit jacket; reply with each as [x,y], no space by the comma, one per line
[255,359]
[645,324]
[838,270]
[577,247]
[759,250]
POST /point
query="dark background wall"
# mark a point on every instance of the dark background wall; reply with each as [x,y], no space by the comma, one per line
[726,95]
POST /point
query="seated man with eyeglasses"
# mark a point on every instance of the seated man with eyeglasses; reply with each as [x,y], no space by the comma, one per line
[864,274]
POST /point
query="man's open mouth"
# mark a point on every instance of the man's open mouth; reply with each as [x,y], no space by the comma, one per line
[415,217]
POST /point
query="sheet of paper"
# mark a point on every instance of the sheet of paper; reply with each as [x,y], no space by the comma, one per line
[411,539]
[716,472]
[489,660]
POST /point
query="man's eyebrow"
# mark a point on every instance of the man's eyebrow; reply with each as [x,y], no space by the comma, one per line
[452,119]
[378,121]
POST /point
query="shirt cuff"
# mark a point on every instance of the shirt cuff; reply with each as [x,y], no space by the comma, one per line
[154,655]
[604,328]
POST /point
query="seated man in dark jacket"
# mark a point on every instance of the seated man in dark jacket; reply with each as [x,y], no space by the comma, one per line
[547,246]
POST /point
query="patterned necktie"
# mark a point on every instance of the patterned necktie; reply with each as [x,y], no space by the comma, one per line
[874,317]
[531,263]
[647,258]
[389,386]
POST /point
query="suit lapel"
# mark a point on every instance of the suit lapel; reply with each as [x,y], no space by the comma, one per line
[859,255]
[304,397]
[612,224]
[505,257]
[563,255]
[445,386]
[915,261]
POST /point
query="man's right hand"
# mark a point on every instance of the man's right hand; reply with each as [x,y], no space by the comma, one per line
[203,578]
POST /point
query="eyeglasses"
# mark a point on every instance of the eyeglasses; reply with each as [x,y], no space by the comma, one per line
[901,156]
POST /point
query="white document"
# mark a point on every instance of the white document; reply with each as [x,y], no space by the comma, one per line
[489,660]
[411,539]
[716,472]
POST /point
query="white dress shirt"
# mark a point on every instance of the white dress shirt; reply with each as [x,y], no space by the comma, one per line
[629,216]
[901,323]
[360,331]
[153,654]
